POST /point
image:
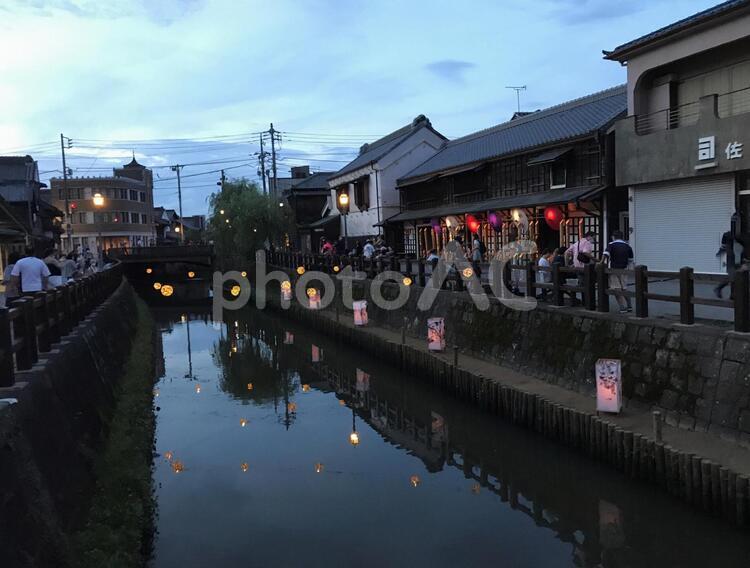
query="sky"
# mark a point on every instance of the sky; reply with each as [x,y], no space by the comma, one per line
[194,81]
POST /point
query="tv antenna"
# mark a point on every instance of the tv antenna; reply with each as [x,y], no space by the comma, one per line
[518,95]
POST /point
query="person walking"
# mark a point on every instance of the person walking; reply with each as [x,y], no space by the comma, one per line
[619,254]
[730,253]
[544,276]
[582,253]
[368,250]
[30,274]
[477,252]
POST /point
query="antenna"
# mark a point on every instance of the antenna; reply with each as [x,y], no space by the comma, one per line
[518,95]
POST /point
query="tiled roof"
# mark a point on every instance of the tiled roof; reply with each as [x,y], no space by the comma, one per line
[318,180]
[620,53]
[556,124]
[372,152]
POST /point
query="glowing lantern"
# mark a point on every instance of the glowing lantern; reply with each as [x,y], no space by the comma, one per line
[467,272]
[286,285]
[406,281]
[191,274]
[244,467]
[472,223]
[226,220]
[221,211]
[156,392]
[243,422]
[315,354]
[305,388]
[476,488]
[197,389]
[149,270]
[553,217]
[311,292]
[249,386]
[452,222]
[515,214]
[342,402]
[235,290]
[243,274]
[183,318]
[168,456]
[495,221]
[360,312]
[336,268]
[300,270]
[415,481]
[314,296]
[318,468]
[292,407]
[234,349]
[608,385]
[354,439]
[436,334]
[177,466]
[157,285]
[166,290]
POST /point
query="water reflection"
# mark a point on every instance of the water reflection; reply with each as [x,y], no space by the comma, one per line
[436,481]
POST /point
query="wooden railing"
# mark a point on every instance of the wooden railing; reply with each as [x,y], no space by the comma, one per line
[34,323]
[159,252]
[590,282]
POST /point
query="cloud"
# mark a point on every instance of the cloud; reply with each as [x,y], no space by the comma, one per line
[589,11]
[450,69]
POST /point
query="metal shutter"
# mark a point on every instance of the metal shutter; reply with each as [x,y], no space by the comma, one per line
[680,223]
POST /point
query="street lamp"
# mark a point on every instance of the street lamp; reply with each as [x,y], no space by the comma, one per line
[98,200]
[344,208]
[354,437]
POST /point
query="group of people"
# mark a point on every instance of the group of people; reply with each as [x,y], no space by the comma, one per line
[372,249]
[32,272]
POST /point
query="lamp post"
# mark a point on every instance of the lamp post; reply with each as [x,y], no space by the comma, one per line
[98,200]
[344,209]
[354,436]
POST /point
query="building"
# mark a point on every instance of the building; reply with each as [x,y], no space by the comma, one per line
[126,217]
[546,176]
[682,151]
[307,200]
[369,181]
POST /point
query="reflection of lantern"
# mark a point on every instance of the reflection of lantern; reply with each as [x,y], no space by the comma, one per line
[149,270]
[166,290]
[249,386]
[300,270]
[156,392]
[414,480]
[476,488]
[177,466]
[157,285]
[495,221]
[553,217]
[436,334]
[342,402]
[311,292]
[406,281]
[286,285]
[292,407]
[244,467]
[197,389]
[354,439]
[168,456]
[243,422]
[191,274]
[305,388]
[472,223]
[314,298]
[318,468]
[467,272]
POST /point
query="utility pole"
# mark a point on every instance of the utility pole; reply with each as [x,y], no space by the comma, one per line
[518,95]
[262,156]
[274,188]
[223,180]
[176,168]
[68,226]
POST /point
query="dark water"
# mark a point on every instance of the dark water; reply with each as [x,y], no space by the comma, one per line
[432,481]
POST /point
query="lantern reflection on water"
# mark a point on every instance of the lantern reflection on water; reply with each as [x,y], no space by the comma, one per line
[318,468]
[467,272]
[354,439]
[197,389]
[156,392]
[249,386]
[177,466]
[414,480]
[292,407]
[305,388]
[342,402]
[243,422]
[476,488]
[244,467]
[168,456]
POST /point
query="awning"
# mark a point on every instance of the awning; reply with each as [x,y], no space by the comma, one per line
[321,222]
[549,156]
[542,198]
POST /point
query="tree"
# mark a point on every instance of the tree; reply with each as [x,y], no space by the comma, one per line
[243,220]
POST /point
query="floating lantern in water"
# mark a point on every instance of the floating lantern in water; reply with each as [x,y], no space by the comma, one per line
[149,270]
[157,285]
[291,407]
[336,268]
[177,466]
[244,467]
[221,211]
[235,290]
[191,274]
[342,402]
[197,389]
[305,388]
[360,312]
[476,488]
[318,468]
[243,422]
[166,290]
[467,272]
[314,298]
[406,281]
[354,439]
[243,274]
[415,481]
[168,456]
[249,386]
[300,270]
[436,334]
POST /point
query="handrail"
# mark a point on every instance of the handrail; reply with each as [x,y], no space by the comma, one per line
[591,282]
[34,323]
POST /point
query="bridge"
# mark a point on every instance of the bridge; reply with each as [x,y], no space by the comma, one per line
[201,255]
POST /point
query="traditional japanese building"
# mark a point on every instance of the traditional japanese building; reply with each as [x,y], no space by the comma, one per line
[682,150]
[308,199]
[545,176]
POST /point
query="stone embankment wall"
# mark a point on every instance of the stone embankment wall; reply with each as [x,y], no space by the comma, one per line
[49,440]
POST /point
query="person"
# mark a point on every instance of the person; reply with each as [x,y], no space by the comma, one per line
[477,251]
[730,260]
[11,290]
[368,250]
[30,274]
[55,268]
[432,258]
[544,276]
[582,253]
[326,248]
[69,267]
[619,254]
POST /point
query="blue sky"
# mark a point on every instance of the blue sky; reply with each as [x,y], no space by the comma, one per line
[134,75]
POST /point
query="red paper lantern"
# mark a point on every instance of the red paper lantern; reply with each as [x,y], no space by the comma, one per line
[472,223]
[553,217]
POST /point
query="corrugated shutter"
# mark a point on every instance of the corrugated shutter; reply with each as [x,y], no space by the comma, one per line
[680,224]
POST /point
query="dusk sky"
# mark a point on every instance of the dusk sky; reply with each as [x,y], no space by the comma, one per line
[193,81]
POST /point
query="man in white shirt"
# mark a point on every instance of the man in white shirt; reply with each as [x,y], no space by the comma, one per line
[30,274]
[368,249]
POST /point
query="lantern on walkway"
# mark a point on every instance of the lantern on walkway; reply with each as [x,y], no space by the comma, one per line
[360,312]
[314,298]
[436,334]
[286,291]
[608,385]
[300,270]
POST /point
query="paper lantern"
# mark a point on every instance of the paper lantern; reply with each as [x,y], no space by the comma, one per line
[313,298]
[415,481]
[243,422]
[495,221]
[177,466]
[300,270]
[243,274]
[452,222]
[149,270]
[166,290]
[436,226]
[436,334]
[360,312]
[249,386]
[467,272]
[553,217]
[354,439]
[235,290]
[292,407]
[305,388]
[472,223]
[288,338]
[315,354]
[336,268]
[191,274]
[197,389]
[244,467]
[157,285]
[608,385]
[406,281]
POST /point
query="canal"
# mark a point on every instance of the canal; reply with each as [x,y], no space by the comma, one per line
[277,447]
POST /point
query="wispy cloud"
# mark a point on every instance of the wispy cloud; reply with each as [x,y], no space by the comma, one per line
[452,70]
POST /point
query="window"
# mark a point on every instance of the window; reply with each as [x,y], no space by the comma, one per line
[142,196]
[123,193]
[133,195]
[125,217]
[362,194]
[557,174]
[144,218]
[82,218]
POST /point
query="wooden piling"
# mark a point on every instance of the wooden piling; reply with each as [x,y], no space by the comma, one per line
[659,474]
[741,500]
[715,489]
[706,485]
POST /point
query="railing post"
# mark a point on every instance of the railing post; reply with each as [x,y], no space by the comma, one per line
[53,314]
[589,287]
[420,273]
[44,343]
[557,293]
[687,308]
[741,286]
[602,300]
[25,327]
[7,378]
[641,289]
[530,290]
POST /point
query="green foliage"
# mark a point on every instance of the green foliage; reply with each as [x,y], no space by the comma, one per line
[119,528]
[250,220]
